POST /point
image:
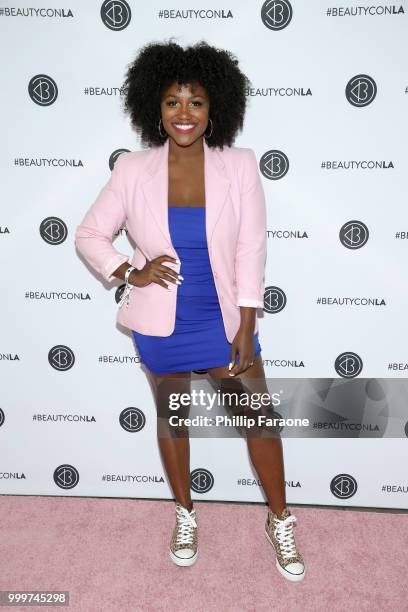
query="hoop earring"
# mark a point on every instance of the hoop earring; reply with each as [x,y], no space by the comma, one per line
[208,135]
[162,135]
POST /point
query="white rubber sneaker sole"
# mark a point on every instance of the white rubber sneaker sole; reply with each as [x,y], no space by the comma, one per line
[183,562]
[283,572]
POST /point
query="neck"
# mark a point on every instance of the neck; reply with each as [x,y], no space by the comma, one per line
[178,153]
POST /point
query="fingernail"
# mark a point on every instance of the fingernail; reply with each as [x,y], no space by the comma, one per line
[178,282]
[230,365]
[231,374]
[178,261]
[182,277]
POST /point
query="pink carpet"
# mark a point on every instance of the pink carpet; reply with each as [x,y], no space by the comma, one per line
[112,555]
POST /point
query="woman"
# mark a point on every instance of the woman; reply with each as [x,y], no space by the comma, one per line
[195,208]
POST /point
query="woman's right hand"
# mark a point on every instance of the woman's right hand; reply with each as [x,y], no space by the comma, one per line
[154,271]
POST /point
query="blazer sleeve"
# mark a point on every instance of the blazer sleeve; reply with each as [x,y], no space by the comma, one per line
[251,248]
[94,236]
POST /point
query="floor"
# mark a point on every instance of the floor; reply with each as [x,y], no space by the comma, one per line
[112,555]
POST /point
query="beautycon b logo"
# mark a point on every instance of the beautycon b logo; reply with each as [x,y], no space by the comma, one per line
[42,90]
[114,156]
[276,14]
[361,90]
[274,299]
[274,164]
[201,480]
[66,476]
[132,419]
[348,365]
[343,486]
[61,358]
[53,230]
[353,234]
[116,14]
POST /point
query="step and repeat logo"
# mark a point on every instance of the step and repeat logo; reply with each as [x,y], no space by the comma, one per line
[61,358]
[53,230]
[132,419]
[201,480]
[343,486]
[361,90]
[114,156]
[348,365]
[353,234]
[42,90]
[276,14]
[116,14]
[66,476]
[274,164]
[274,299]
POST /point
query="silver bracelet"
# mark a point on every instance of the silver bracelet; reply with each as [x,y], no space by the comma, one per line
[128,288]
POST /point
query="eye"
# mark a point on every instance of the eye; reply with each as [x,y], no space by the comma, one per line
[172,102]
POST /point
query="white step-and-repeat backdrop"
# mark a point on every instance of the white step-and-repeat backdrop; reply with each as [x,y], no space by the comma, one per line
[327,118]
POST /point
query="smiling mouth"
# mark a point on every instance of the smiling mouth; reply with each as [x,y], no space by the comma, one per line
[184,128]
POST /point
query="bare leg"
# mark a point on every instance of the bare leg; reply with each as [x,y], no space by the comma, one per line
[174,445]
[266,453]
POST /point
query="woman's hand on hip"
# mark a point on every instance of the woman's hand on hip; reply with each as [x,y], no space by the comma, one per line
[154,271]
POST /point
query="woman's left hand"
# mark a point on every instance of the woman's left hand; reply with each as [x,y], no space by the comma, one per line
[243,344]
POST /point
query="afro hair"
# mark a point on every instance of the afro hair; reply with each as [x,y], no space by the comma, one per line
[158,65]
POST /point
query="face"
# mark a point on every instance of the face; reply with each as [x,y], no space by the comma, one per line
[184,112]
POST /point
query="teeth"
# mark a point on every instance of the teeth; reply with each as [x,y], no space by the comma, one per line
[184,127]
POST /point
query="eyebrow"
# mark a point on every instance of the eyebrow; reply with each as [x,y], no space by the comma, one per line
[176,96]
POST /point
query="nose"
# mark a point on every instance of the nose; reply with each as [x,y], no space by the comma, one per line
[184,110]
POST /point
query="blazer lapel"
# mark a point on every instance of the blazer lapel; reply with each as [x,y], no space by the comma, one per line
[155,187]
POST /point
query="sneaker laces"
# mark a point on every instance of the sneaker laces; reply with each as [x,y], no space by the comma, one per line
[284,535]
[185,525]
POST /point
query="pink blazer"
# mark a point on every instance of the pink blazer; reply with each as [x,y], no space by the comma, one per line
[137,194]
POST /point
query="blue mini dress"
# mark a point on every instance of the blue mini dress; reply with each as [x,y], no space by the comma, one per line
[198,340]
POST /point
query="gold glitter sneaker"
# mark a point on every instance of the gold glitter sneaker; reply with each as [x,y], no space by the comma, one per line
[184,541]
[279,532]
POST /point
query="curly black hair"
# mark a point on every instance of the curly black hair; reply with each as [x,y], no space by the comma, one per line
[159,64]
